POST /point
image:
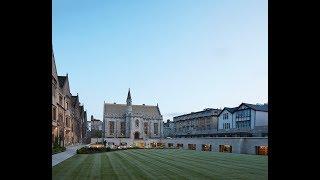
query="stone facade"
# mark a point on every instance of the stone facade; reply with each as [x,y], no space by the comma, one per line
[197,124]
[246,120]
[96,124]
[168,129]
[68,116]
[136,122]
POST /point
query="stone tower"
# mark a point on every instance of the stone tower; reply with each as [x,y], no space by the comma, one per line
[128,114]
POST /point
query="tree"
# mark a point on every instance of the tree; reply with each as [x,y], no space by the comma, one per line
[98,134]
[56,142]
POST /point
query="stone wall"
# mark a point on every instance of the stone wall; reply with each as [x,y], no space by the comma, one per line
[242,145]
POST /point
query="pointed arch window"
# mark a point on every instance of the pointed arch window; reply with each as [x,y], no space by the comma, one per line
[137,123]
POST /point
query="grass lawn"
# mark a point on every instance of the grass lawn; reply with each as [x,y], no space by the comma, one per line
[162,164]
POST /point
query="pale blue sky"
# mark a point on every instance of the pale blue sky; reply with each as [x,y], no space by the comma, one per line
[186,55]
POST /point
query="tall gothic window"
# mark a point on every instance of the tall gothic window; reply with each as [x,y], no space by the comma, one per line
[145,128]
[123,128]
[137,123]
[67,121]
[111,127]
[60,100]
[155,128]
[54,113]
[60,118]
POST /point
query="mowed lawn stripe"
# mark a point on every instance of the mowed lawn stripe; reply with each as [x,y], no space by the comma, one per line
[69,167]
[106,169]
[94,172]
[236,166]
[118,167]
[84,171]
[219,169]
[150,171]
[162,164]
[222,157]
[160,169]
[136,172]
[187,169]
[258,160]
[203,168]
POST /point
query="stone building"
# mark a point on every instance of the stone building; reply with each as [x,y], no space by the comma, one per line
[66,111]
[96,124]
[136,122]
[168,129]
[197,124]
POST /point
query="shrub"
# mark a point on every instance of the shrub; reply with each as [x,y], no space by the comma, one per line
[58,149]
[90,150]
[56,142]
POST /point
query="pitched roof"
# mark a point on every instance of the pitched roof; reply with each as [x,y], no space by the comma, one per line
[74,100]
[81,109]
[231,110]
[211,111]
[263,107]
[54,68]
[62,80]
[144,110]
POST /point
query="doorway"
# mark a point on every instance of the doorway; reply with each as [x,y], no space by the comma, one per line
[137,135]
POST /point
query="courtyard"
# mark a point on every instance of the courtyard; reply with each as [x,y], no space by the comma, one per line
[162,164]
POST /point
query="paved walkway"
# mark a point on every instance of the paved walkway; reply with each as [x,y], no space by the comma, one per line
[70,151]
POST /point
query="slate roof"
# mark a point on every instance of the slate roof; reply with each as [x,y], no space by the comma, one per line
[81,109]
[211,110]
[144,110]
[62,80]
[74,100]
[256,107]
[231,110]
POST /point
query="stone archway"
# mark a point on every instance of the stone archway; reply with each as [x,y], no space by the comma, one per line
[136,135]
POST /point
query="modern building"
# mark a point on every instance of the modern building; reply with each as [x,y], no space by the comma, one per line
[66,111]
[168,129]
[197,124]
[244,120]
[135,122]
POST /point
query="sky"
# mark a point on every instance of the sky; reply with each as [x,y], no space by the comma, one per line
[185,55]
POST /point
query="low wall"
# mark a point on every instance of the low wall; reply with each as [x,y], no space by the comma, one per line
[243,145]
